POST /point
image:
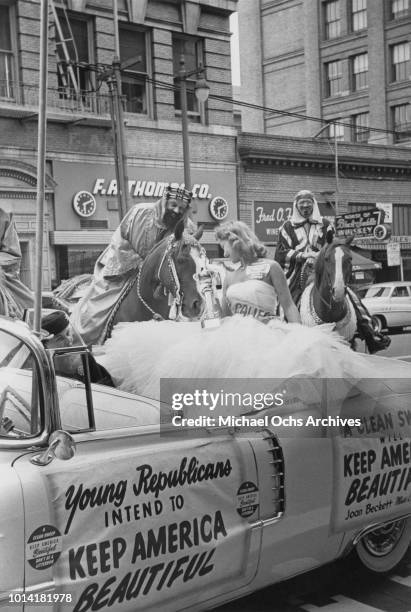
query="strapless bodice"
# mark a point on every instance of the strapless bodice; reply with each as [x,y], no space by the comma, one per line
[254,298]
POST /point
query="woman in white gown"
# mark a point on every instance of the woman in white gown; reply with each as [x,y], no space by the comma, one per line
[258,284]
[138,355]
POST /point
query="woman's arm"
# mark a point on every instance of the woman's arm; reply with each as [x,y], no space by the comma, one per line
[279,282]
[225,307]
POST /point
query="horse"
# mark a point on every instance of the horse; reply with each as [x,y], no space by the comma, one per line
[163,287]
[324,299]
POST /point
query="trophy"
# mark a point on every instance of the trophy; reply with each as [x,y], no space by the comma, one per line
[211,316]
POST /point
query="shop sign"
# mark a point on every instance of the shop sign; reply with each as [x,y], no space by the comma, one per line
[387,208]
[361,223]
[268,217]
[149,189]
[393,254]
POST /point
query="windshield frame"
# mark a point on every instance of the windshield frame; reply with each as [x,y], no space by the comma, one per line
[47,394]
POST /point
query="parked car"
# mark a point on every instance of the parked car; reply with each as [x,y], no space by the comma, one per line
[99,510]
[389,304]
[361,290]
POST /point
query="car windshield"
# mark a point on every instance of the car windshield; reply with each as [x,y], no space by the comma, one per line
[19,394]
[374,292]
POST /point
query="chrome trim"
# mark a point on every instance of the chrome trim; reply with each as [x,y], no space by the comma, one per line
[277,466]
[370,528]
[260,524]
[36,588]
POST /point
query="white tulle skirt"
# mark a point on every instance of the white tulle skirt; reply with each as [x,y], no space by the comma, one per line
[139,354]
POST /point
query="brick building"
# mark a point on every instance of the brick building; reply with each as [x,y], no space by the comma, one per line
[342,60]
[274,168]
[338,60]
[152,36]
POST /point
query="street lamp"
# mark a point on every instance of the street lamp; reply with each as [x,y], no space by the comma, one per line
[201,90]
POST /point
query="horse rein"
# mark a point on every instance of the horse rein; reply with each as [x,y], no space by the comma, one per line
[176,292]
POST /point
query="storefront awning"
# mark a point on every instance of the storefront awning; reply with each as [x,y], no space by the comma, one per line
[359,262]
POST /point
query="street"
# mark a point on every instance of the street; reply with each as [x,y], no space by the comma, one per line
[338,587]
[400,346]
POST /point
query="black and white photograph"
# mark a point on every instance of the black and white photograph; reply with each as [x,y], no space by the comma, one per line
[205,305]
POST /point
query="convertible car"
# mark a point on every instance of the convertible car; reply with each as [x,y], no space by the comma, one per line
[103,507]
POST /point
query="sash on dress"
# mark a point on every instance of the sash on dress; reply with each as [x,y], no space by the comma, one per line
[253,298]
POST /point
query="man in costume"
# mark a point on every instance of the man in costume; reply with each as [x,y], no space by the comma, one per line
[300,239]
[14,295]
[143,226]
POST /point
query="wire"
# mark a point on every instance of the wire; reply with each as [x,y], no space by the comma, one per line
[164,85]
[266,109]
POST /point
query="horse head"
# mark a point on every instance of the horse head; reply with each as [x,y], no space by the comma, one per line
[169,272]
[333,269]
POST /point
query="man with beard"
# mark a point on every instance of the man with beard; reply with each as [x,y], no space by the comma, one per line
[143,226]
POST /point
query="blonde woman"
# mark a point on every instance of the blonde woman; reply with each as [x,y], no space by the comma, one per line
[258,285]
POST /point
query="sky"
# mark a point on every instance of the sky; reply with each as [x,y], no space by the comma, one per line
[235,50]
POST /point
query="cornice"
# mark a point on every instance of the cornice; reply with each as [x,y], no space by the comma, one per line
[266,161]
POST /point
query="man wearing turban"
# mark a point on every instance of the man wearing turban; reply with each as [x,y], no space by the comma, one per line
[143,226]
[300,239]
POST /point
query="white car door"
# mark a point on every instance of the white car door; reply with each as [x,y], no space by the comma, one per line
[136,520]
[400,307]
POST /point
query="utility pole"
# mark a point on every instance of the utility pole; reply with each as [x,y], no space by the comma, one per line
[122,184]
[41,164]
[112,77]
[184,122]
[337,182]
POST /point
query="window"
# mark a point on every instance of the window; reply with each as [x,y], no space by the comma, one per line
[359,15]
[360,127]
[6,54]
[332,19]
[374,292]
[334,78]
[402,121]
[134,45]
[20,400]
[74,44]
[400,292]
[401,65]
[336,131]
[399,8]
[359,72]
[192,49]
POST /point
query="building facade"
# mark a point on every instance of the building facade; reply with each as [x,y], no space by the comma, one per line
[336,60]
[342,61]
[274,168]
[82,206]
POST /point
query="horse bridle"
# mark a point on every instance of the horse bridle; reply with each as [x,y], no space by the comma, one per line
[174,290]
[327,278]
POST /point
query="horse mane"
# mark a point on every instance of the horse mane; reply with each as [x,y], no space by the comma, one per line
[181,240]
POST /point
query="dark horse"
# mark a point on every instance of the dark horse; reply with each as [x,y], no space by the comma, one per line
[325,299]
[164,286]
